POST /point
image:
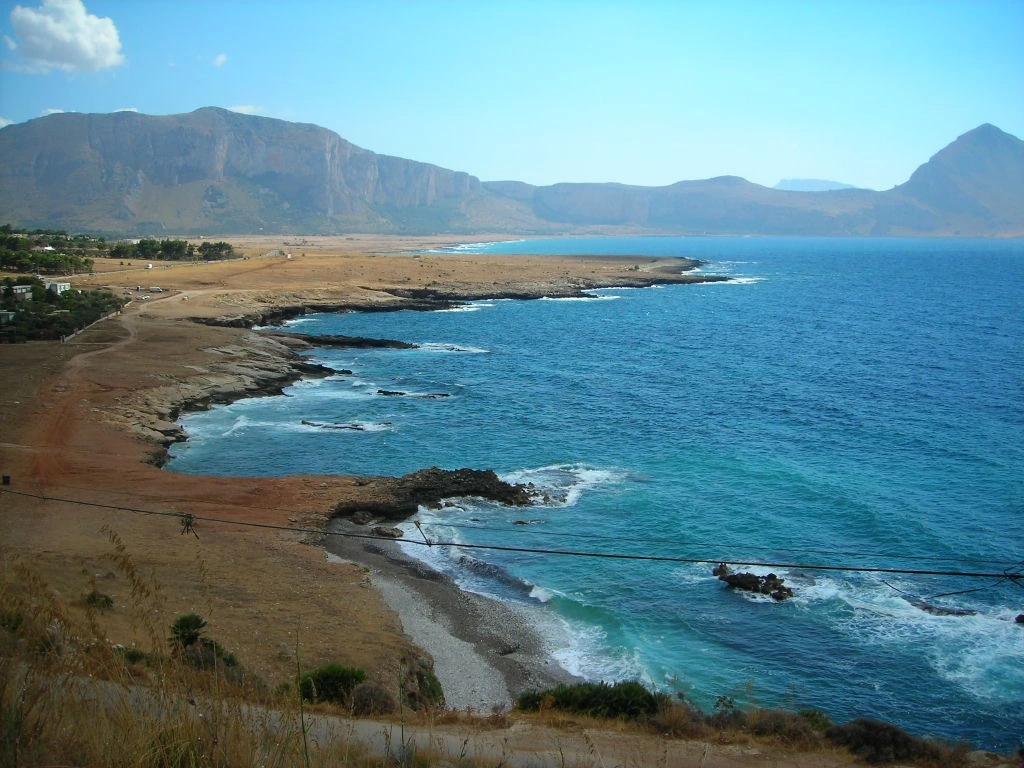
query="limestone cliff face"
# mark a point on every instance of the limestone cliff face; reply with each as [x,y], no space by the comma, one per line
[129,169]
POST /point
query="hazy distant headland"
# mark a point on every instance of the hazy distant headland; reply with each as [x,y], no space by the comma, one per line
[811,185]
[214,171]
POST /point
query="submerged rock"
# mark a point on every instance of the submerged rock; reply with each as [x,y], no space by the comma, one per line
[770,584]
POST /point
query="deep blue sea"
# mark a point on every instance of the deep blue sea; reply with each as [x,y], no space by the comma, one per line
[842,402]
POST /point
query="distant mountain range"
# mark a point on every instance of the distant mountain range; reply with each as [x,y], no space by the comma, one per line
[213,171]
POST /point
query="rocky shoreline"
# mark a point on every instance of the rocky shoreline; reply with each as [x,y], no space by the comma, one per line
[484,652]
[265,362]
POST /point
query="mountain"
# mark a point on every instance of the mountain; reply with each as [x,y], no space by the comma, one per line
[978,180]
[810,185]
[213,171]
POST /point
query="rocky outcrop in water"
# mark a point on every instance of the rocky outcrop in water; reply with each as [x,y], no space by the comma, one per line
[770,584]
[397,498]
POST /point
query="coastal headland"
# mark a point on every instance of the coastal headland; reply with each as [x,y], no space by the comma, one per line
[86,425]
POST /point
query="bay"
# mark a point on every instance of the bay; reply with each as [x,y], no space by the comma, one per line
[839,403]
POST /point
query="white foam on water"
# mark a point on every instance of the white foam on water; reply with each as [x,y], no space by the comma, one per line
[541,595]
[562,485]
[240,423]
[333,389]
[350,427]
[982,653]
[587,654]
[473,306]
[441,346]
[243,423]
[468,247]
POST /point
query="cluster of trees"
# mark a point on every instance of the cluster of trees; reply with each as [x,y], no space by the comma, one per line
[49,316]
[55,252]
[47,252]
[172,250]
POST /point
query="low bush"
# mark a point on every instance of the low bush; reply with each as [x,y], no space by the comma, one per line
[99,600]
[332,682]
[208,654]
[784,727]
[727,714]
[135,656]
[624,701]
[819,720]
[371,699]
[680,719]
[878,742]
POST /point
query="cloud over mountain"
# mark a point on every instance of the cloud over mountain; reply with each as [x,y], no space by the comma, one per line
[61,34]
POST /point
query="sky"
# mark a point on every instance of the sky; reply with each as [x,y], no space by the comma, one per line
[645,92]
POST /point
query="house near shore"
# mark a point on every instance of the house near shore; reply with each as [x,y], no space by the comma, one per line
[6,316]
[22,292]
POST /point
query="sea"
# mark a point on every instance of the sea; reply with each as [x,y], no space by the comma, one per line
[845,413]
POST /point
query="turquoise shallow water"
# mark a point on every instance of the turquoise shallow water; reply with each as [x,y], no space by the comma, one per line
[842,402]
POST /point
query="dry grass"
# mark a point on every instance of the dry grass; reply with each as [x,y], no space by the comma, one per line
[69,697]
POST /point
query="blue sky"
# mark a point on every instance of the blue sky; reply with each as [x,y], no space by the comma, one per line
[562,90]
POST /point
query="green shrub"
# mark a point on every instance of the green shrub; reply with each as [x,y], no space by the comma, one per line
[134,655]
[819,720]
[332,682]
[186,630]
[208,654]
[625,701]
[11,619]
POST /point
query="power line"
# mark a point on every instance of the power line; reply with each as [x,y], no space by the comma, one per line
[1006,574]
[678,543]
[526,530]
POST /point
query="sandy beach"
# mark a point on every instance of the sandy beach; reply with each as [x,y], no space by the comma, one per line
[85,426]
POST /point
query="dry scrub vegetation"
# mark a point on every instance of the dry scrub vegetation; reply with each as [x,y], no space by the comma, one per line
[69,697]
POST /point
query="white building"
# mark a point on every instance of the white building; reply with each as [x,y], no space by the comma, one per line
[56,287]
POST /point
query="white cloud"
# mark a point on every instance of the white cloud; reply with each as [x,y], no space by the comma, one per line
[220,59]
[61,35]
[248,109]
[4,122]
[52,111]
[127,109]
